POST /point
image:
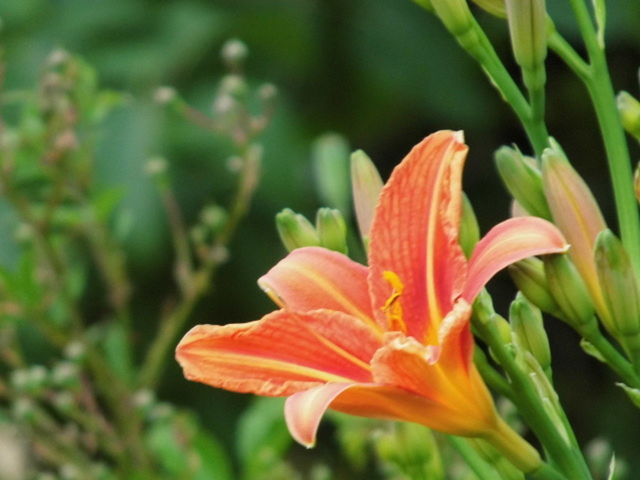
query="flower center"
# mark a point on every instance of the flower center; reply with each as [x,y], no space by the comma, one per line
[392,308]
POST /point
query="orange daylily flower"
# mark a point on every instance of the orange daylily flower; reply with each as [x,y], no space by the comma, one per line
[391,340]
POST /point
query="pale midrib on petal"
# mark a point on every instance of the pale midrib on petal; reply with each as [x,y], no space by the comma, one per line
[262,363]
[348,305]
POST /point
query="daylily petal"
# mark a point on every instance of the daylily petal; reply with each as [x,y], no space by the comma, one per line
[506,243]
[283,353]
[415,234]
[312,278]
[304,410]
[461,403]
[455,339]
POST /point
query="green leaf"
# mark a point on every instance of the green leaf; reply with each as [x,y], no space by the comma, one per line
[262,434]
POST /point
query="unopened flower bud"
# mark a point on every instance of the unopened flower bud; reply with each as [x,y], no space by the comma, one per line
[529,333]
[494,7]
[577,215]
[234,85]
[629,109]
[164,95]
[330,157]
[523,179]
[530,278]
[469,228]
[332,229]
[213,217]
[234,52]
[426,4]
[528,30]
[620,290]
[455,15]
[366,185]
[568,289]
[295,230]
[636,182]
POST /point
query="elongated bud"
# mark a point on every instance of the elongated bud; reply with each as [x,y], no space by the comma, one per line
[529,333]
[330,155]
[523,179]
[577,215]
[426,4]
[469,228]
[528,30]
[629,109]
[455,15]
[332,229]
[620,289]
[366,185]
[568,290]
[295,230]
[494,7]
[636,182]
[530,278]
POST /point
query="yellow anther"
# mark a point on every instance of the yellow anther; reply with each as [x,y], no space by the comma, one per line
[392,308]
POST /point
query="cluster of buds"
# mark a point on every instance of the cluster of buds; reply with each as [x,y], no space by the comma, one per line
[596,279]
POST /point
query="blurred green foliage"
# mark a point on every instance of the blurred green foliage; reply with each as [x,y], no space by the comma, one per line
[383,73]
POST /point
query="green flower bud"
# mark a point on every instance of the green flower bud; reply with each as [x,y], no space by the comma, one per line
[455,15]
[330,157]
[629,109]
[469,228]
[234,52]
[528,29]
[365,185]
[494,7]
[531,280]
[568,290]
[295,230]
[633,393]
[332,229]
[620,290]
[529,333]
[426,4]
[523,179]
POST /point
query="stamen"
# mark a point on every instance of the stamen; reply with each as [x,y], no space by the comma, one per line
[392,308]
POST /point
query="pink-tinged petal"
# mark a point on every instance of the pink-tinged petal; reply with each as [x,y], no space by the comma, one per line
[463,402]
[304,410]
[455,339]
[415,235]
[507,243]
[314,278]
[283,353]
[578,216]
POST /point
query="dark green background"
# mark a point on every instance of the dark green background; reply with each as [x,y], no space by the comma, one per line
[384,73]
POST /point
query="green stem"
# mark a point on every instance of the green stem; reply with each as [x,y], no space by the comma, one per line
[476,43]
[591,333]
[490,375]
[565,51]
[602,95]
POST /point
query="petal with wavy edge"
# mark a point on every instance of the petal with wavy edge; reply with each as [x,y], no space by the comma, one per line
[461,397]
[304,410]
[312,278]
[506,243]
[415,234]
[280,354]
[455,339]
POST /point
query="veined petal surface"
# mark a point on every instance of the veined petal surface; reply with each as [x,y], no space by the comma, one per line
[283,353]
[415,234]
[460,402]
[507,243]
[314,278]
